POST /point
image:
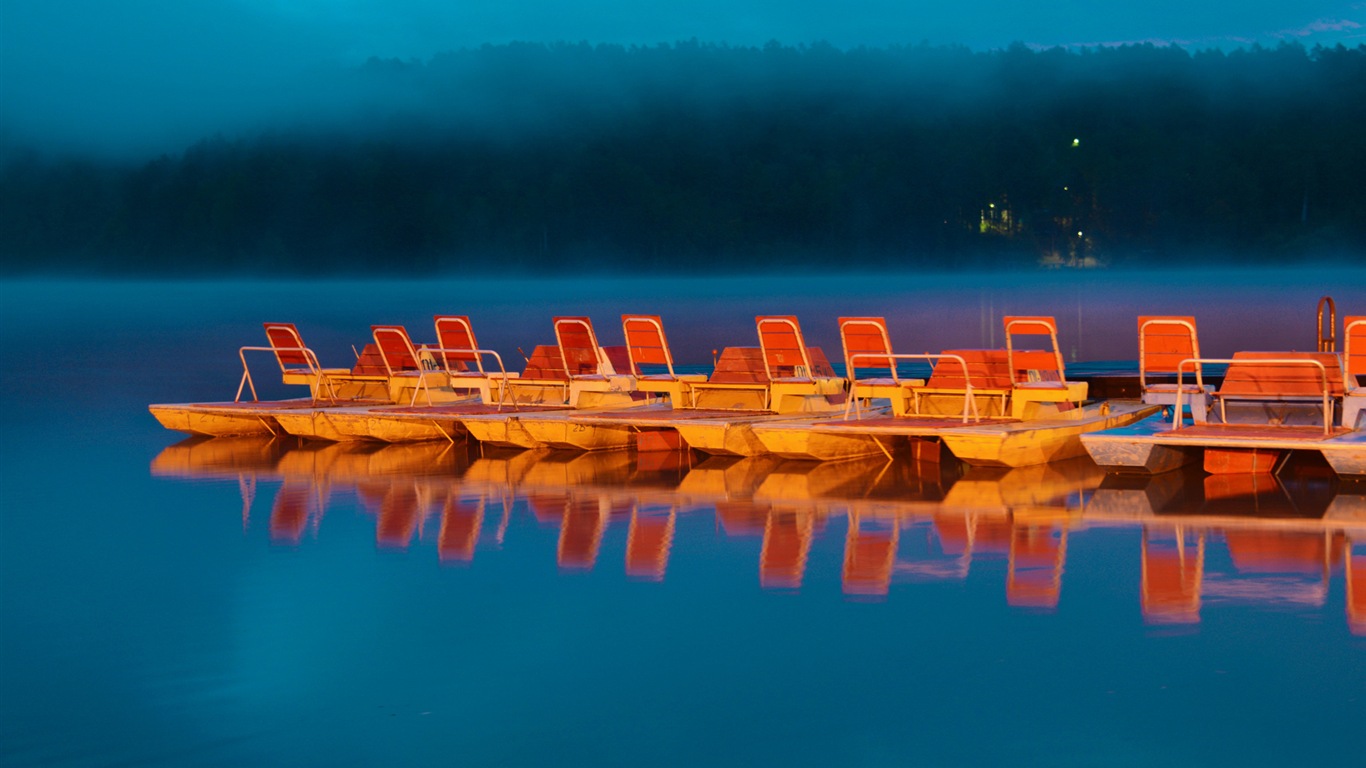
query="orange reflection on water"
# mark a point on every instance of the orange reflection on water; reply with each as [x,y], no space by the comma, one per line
[1285,539]
[581,530]
[291,513]
[787,541]
[905,521]
[869,555]
[398,516]
[1034,573]
[1356,587]
[1173,566]
[461,521]
[648,540]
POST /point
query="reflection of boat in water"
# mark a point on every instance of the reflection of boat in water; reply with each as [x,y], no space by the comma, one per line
[899,522]
[1283,539]
[200,457]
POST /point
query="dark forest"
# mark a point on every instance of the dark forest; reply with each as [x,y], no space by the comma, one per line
[690,158]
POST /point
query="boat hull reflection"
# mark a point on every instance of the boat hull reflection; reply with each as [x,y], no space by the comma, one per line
[899,522]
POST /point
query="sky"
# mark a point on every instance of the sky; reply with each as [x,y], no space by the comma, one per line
[148,76]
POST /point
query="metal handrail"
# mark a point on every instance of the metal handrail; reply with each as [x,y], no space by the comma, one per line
[1348,353]
[478,362]
[314,367]
[1327,343]
[969,400]
[1323,379]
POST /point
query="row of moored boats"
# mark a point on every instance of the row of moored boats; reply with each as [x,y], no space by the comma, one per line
[1007,407]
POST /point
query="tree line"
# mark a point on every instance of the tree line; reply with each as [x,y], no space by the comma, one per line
[692,157]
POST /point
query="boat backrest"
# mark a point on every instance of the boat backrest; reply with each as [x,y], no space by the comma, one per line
[369,362]
[545,364]
[1248,378]
[288,345]
[739,365]
[578,344]
[646,343]
[395,348]
[866,337]
[454,332]
[784,351]
[1025,364]
[1163,342]
[1354,349]
[987,369]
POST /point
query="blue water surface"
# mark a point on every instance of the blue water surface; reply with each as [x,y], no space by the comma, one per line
[161,602]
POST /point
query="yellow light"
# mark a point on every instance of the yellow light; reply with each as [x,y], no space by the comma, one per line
[1076,142]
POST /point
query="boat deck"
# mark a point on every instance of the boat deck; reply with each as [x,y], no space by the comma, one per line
[247,405]
[906,425]
[1152,446]
[470,409]
[233,418]
[1158,430]
[662,415]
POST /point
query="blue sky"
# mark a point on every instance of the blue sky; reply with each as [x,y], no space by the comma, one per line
[144,74]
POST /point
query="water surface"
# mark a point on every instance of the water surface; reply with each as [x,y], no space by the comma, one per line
[170,602]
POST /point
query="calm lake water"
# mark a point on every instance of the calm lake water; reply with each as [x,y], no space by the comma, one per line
[236,602]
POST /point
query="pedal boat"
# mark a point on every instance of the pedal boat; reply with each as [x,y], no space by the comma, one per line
[298,366]
[1280,402]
